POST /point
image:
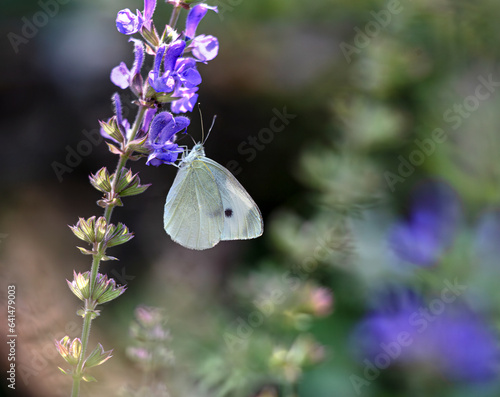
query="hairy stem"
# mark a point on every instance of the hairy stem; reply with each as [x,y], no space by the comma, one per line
[96,260]
[174,17]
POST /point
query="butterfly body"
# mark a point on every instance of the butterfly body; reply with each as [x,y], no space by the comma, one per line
[206,204]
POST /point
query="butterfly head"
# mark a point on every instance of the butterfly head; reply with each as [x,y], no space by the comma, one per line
[197,151]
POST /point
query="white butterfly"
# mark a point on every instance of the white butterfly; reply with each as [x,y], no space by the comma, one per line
[206,204]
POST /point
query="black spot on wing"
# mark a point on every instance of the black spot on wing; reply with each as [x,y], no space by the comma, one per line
[228,212]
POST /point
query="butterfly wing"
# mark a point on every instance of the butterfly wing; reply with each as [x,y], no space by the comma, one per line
[241,216]
[193,208]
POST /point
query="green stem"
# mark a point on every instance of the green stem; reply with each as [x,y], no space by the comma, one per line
[96,259]
[75,390]
[123,159]
[174,17]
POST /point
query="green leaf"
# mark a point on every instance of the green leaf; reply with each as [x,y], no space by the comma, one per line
[113,149]
[66,371]
[134,190]
[98,356]
[89,378]
[108,258]
[85,251]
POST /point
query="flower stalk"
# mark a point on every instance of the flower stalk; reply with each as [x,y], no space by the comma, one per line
[100,249]
[174,80]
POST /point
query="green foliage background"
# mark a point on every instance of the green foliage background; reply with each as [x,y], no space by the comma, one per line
[323,182]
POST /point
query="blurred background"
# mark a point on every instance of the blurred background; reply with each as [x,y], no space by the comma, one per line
[377,271]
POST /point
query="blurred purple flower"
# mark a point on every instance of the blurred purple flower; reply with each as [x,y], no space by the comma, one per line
[486,247]
[430,230]
[129,23]
[194,17]
[406,330]
[161,138]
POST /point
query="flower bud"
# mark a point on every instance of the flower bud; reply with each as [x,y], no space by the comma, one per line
[69,349]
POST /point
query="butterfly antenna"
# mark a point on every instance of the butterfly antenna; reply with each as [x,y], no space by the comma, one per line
[183,136]
[212,126]
[201,121]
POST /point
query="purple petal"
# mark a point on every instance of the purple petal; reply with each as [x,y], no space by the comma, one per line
[127,22]
[205,48]
[164,127]
[149,8]
[118,108]
[165,83]
[159,83]
[160,157]
[181,122]
[187,101]
[158,59]
[186,70]
[159,123]
[148,117]
[194,17]
[138,56]
[174,51]
[120,76]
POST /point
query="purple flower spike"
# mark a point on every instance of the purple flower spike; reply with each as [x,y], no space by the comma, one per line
[161,139]
[149,8]
[129,23]
[205,48]
[194,17]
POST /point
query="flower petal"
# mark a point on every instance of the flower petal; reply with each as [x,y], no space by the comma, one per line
[186,102]
[174,51]
[138,56]
[194,17]
[159,123]
[120,76]
[205,48]
[149,8]
[127,22]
